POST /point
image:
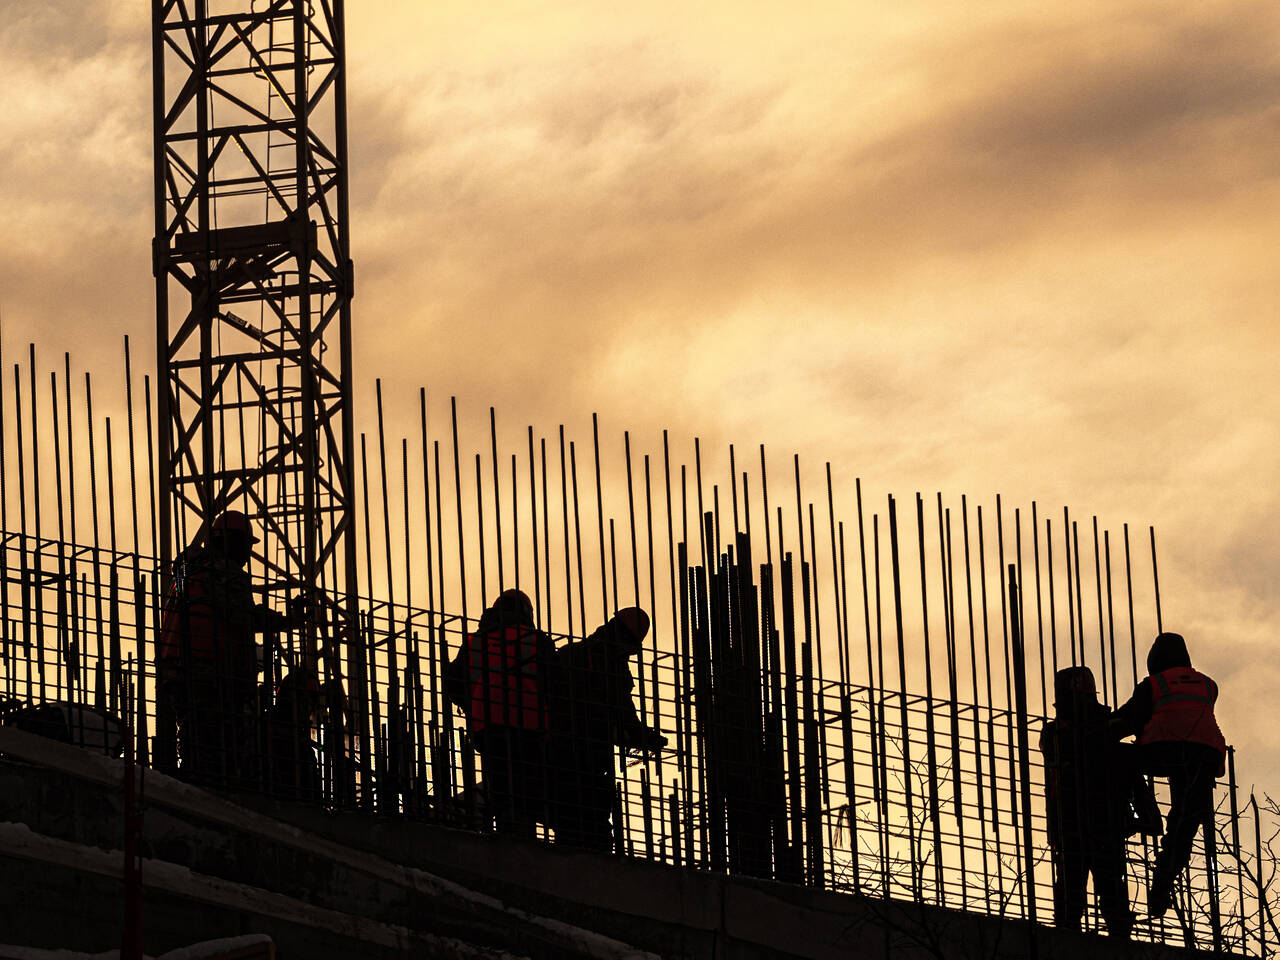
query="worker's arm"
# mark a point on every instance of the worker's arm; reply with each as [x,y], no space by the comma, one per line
[629,731]
[1131,716]
[268,620]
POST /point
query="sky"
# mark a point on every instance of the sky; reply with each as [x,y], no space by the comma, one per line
[1014,246]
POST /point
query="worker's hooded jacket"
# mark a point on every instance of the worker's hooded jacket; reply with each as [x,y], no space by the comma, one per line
[1088,784]
[1174,704]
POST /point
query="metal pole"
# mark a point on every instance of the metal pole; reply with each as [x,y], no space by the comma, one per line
[1024,751]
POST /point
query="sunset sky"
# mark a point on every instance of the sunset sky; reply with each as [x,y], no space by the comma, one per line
[1010,246]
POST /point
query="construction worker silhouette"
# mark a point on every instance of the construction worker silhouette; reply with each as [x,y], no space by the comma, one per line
[291,713]
[1092,789]
[589,692]
[208,659]
[497,679]
[1171,714]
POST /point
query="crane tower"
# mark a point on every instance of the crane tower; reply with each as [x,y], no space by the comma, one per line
[253,285]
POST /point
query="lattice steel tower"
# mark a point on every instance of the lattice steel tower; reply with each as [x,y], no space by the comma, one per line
[254,282]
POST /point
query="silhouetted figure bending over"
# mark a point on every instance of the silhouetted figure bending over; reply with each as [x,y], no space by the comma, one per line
[1091,783]
[208,660]
[1171,714]
[589,693]
[497,678]
[300,705]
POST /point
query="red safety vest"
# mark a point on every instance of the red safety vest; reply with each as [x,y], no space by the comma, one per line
[502,669]
[1182,710]
[206,615]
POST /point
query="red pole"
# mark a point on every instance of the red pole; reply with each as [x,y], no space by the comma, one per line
[131,940]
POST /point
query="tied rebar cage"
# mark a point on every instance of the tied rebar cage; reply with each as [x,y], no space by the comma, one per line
[849,706]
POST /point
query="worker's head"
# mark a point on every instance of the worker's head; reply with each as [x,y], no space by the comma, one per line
[1073,687]
[630,626]
[1168,650]
[514,607]
[231,535]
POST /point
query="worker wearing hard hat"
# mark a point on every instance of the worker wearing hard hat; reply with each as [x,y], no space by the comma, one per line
[208,658]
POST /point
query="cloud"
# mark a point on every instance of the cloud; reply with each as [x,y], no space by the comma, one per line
[650,193]
[75,164]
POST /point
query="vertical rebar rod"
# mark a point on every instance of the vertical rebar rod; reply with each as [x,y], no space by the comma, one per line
[533,517]
[1053,611]
[931,742]
[24,569]
[38,566]
[515,525]
[903,724]
[457,496]
[1024,750]
[577,541]
[1035,550]
[1079,589]
[991,712]
[957,759]
[497,496]
[882,808]
[1102,630]
[564,516]
[546,528]
[1006,616]
[386,519]
[1071,606]
[1111,620]
[64,641]
[604,593]
[480,530]
[1128,578]
[1155,577]
[973,674]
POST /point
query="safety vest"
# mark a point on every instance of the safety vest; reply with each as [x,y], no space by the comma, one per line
[1182,710]
[207,613]
[503,675]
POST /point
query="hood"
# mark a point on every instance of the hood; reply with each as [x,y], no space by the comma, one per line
[1168,651]
[513,608]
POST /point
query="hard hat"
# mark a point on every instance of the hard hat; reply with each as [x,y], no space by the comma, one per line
[634,624]
[232,520]
[1072,683]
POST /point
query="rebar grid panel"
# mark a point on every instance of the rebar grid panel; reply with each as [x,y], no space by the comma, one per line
[840,706]
[254,283]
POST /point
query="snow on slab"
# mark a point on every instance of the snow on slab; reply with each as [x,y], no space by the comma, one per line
[197,951]
[219,947]
[8,952]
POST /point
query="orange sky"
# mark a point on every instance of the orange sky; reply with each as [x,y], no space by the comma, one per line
[1008,247]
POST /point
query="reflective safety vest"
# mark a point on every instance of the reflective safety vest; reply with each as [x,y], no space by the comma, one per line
[1182,710]
[505,687]
[207,614]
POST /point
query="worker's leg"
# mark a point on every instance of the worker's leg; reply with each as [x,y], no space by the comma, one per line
[1070,876]
[168,708]
[1191,780]
[1111,886]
